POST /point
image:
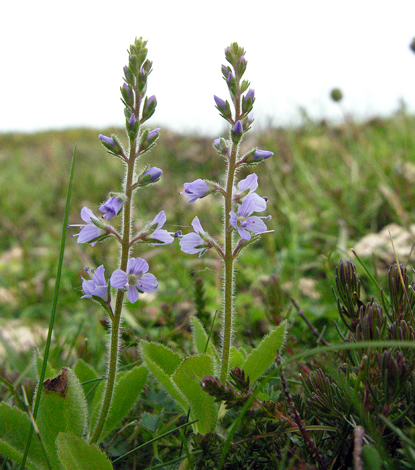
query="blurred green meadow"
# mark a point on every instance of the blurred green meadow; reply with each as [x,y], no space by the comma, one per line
[327,185]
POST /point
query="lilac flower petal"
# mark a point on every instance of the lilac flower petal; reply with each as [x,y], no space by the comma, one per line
[159,219]
[233,220]
[118,279]
[89,232]
[147,283]
[255,224]
[246,208]
[137,266]
[243,233]
[99,276]
[260,204]
[163,236]
[191,243]
[197,227]
[132,294]
[101,291]
[250,182]
[86,215]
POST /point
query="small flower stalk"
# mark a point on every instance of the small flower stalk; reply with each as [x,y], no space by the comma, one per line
[131,278]
[241,203]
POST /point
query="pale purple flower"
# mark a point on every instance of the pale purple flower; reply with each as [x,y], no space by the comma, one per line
[262,154]
[219,102]
[244,222]
[107,140]
[159,234]
[112,207]
[193,243]
[97,286]
[90,232]
[152,134]
[238,127]
[196,189]
[246,189]
[230,78]
[136,280]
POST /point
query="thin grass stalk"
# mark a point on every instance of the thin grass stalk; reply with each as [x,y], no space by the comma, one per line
[53,311]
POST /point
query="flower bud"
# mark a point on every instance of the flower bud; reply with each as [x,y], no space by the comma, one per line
[219,102]
[149,176]
[107,140]
[149,107]
[132,121]
[238,128]
[152,134]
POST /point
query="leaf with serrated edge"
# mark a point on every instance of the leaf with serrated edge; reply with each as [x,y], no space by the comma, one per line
[162,363]
[262,357]
[202,406]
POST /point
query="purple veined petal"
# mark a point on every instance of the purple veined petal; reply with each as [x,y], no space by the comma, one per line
[86,215]
[197,226]
[159,219]
[191,243]
[163,236]
[250,182]
[88,233]
[118,279]
[233,220]
[88,287]
[255,224]
[260,204]
[246,208]
[147,283]
[137,266]
[101,291]
[132,294]
[243,233]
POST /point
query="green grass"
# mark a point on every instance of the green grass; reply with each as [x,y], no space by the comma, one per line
[327,188]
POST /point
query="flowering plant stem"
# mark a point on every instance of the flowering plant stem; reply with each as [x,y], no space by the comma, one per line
[115,324]
[228,260]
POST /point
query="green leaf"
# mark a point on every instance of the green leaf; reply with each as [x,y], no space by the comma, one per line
[371,458]
[14,429]
[62,409]
[162,363]
[236,358]
[262,357]
[77,454]
[202,406]
[126,392]
[50,372]
[86,373]
[200,339]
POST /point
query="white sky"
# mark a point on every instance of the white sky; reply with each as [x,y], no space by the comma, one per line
[62,61]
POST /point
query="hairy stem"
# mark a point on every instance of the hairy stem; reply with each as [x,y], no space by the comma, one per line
[115,325]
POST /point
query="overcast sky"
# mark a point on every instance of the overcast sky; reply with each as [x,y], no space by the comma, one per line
[62,61]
